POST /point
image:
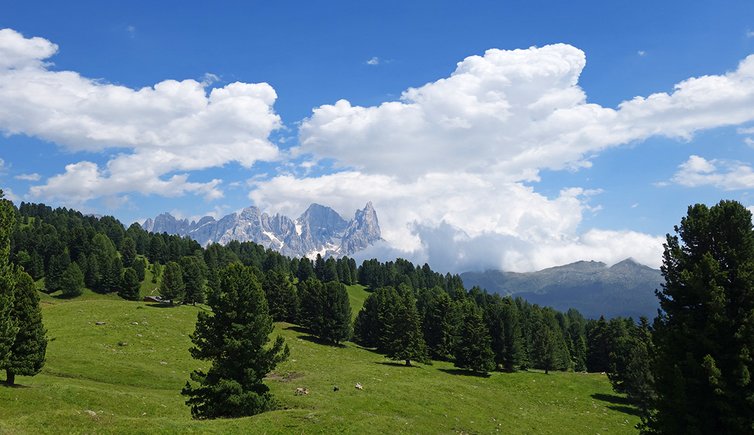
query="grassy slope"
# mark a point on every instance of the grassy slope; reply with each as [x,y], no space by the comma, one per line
[134,386]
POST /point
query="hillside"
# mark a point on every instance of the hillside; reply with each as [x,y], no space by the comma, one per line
[624,289]
[125,376]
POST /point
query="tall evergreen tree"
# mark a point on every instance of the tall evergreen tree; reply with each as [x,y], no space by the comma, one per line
[72,281]
[406,342]
[27,355]
[128,251]
[336,313]
[130,286]
[171,286]
[234,339]
[55,270]
[473,350]
[631,365]
[440,323]
[704,336]
[194,278]
[281,296]
[8,323]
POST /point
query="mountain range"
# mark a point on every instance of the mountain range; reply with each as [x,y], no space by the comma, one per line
[624,289]
[319,230]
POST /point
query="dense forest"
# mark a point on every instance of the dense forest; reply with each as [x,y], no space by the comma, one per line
[686,372]
[413,312]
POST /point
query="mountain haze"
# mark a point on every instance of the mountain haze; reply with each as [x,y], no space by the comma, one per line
[624,289]
[319,230]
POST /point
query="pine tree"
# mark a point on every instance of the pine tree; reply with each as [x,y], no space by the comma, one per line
[130,287]
[171,285]
[631,365]
[128,251]
[27,355]
[194,278]
[440,323]
[598,347]
[58,265]
[8,323]
[336,313]
[281,296]
[704,336]
[234,339]
[406,341]
[72,281]
[473,350]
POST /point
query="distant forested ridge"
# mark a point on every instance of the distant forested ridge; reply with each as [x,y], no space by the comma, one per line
[625,289]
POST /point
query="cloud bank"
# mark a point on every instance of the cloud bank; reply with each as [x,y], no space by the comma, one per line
[451,166]
[160,132]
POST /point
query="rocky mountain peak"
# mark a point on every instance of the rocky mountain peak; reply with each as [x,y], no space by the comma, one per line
[319,230]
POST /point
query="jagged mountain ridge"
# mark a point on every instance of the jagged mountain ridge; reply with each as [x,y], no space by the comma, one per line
[624,289]
[319,230]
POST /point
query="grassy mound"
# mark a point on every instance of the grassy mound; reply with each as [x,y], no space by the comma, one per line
[125,374]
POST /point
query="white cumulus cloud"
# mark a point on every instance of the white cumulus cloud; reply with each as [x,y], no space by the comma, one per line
[449,165]
[726,175]
[173,126]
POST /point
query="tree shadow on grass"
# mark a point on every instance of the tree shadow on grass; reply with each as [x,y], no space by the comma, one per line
[398,364]
[296,328]
[317,340]
[3,384]
[161,305]
[619,403]
[463,372]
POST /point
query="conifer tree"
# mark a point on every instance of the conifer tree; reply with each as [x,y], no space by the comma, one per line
[130,287]
[473,350]
[8,323]
[281,296]
[194,278]
[128,251]
[704,336]
[406,342]
[72,281]
[234,340]
[440,323]
[336,313]
[27,355]
[171,285]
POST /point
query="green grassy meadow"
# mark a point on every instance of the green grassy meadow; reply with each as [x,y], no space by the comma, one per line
[125,376]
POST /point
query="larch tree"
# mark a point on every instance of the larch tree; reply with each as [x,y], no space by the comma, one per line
[234,338]
[704,336]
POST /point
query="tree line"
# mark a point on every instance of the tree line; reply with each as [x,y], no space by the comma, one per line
[688,371]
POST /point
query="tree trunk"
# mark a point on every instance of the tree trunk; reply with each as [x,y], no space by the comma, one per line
[546,370]
[10,378]
[408,363]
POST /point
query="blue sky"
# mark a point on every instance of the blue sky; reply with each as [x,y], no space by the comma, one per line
[487,134]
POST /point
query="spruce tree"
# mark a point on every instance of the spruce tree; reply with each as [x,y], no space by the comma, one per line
[234,340]
[704,336]
[172,287]
[72,281]
[27,355]
[194,278]
[8,323]
[130,287]
[281,296]
[406,341]
[440,323]
[128,251]
[336,313]
[473,350]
